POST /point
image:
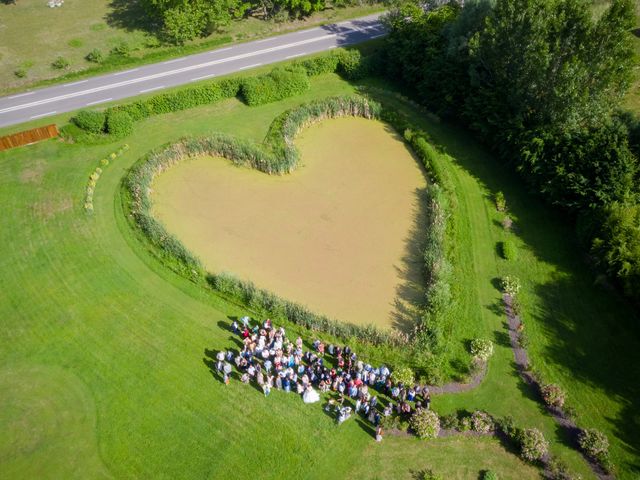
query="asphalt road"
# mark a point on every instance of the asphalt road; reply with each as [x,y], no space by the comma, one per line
[22,107]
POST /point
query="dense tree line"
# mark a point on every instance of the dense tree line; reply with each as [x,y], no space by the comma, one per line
[185,20]
[541,82]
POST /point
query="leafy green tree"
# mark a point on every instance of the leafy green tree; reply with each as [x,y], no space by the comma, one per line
[540,62]
[617,245]
[185,20]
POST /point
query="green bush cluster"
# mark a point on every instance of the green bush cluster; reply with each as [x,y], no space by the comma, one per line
[558,470]
[352,65]
[119,123]
[60,63]
[94,56]
[403,375]
[595,445]
[429,475]
[553,395]
[425,423]
[92,121]
[482,422]
[533,445]
[489,475]
[319,65]
[481,348]
[508,250]
[276,85]
[510,285]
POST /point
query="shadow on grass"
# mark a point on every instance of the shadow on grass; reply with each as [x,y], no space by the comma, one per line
[592,334]
[131,15]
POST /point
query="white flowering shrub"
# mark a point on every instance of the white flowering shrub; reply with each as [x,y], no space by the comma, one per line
[481,348]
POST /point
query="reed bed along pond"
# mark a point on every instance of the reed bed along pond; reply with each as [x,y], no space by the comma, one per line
[341,234]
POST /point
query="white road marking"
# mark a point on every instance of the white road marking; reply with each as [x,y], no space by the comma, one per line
[75,83]
[171,72]
[151,89]
[174,60]
[126,71]
[100,101]
[247,67]
[203,77]
[294,56]
[22,95]
[43,115]
[222,50]
[378,36]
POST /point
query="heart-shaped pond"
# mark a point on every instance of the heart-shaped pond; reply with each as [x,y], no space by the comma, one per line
[340,234]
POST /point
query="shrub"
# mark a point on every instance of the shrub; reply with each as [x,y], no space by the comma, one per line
[20,72]
[450,422]
[394,422]
[507,425]
[501,203]
[429,475]
[553,395]
[507,222]
[60,63]
[594,443]
[94,56]
[508,250]
[481,348]
[121,49]
[277,85]
[489,475]
[510,285]
[351,65]
[90,120]
[403,375]
[523,339]
[481,422]
[465,424]
[533,445]
[431,367]
[425,423]
[119,123]
[319,65]
[558,470]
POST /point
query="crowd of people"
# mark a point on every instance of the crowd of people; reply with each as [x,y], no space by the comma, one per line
[271,360]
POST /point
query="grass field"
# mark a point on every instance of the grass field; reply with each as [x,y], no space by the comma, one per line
[340,234]
[32,36]
[102,348]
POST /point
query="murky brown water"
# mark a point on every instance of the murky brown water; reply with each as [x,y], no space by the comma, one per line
[339,234]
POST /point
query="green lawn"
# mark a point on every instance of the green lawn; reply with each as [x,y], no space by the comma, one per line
[32,36]
[102,348]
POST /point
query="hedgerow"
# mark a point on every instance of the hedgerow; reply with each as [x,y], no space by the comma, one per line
[95,121]
[274,86]
[119,123]
[90,120]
